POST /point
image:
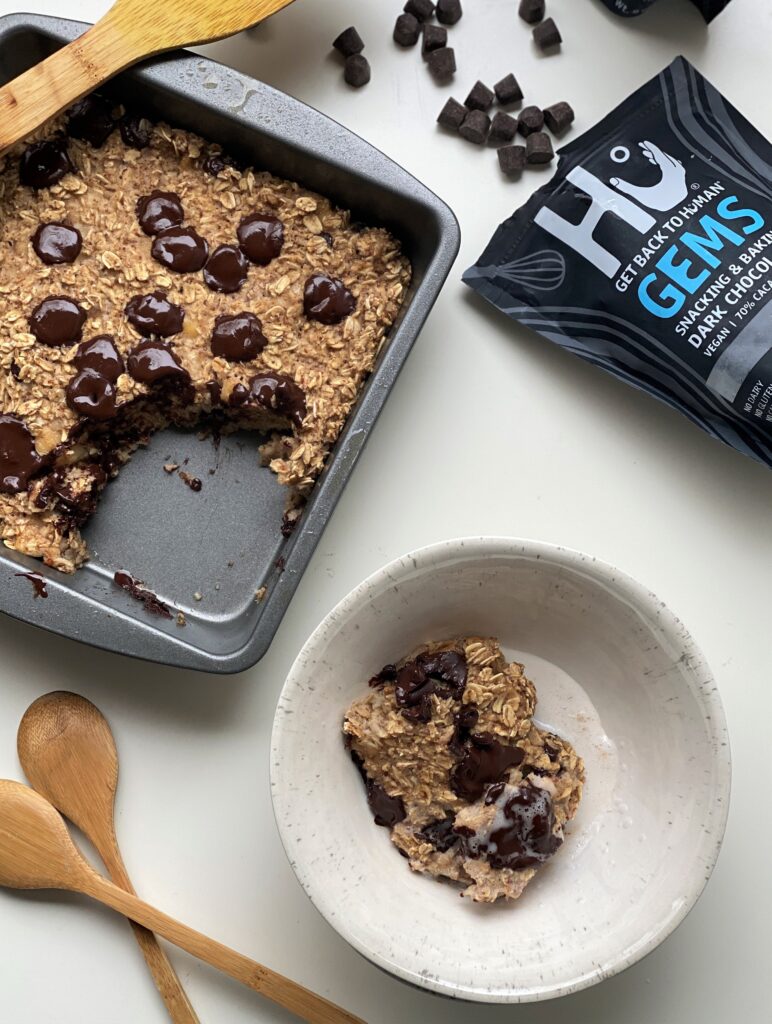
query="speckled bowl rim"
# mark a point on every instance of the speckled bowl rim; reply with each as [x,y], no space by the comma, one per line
[434,556]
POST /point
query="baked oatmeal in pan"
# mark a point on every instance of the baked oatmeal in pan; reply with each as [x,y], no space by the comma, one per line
[147,280]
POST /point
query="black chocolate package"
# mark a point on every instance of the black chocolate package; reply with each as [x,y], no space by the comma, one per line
[630,8]
[649,254]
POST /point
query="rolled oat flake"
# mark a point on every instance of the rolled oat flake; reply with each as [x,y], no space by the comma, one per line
[649,254]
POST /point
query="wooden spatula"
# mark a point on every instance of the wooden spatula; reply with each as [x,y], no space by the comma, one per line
[130,31]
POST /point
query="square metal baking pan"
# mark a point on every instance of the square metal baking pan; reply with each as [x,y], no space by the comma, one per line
[224,543]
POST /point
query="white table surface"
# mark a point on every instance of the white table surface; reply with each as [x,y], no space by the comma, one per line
[474,424]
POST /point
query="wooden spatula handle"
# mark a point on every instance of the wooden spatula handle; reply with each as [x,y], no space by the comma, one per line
[65,76]
[305,1004]
[168,984]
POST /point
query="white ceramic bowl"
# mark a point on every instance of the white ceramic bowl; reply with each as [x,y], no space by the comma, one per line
[616,673]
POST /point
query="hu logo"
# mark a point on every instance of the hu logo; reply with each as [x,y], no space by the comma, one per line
[666,194]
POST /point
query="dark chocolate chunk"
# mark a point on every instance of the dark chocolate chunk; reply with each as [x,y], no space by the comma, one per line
[387,675]
[226,269]
[19,459]
[387,810]
[91,120]
[452,115]
[485,761]
[357,70]
[238,338]
[435,37]
[547,35]
[440,834]
[532,11]
[214,162]
[349,42]
[538,149]
[135,589]
[407,30]
[475,127]
[181,249]
[480,98]
[327,299]
[559,117]
[91,395]
[421,9]
[153,315]
[526,837]
[57,320]
[463,722]
[277,393]
[78,506]
[503,128]
[512,160]
[442,63]
[448,669]
[152,361]
[57,243]
[261,237]
[508,90]
[449,11]
[327,237]
[159,211]
[135,130]
[442,673]
[101,355]
[531,120]
[43,164]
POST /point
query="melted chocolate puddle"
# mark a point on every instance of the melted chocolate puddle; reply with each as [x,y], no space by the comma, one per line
[37,581]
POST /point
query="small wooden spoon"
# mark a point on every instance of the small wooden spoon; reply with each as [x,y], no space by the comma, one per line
[36,852]
[68,754]
[130,31]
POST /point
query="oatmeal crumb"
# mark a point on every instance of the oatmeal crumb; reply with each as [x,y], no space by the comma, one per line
[260,594]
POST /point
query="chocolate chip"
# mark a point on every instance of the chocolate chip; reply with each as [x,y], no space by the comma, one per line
[449,11]
[485,762]
[512,160]
[91,120]
[435,37]
[559,117]
[101,355]
[531,120]
[475,127]
[327,237]
[180,249]
[357,70]
[153,315]
[327,299]
[538,149]
[159,211]
[43,164]
[547,35]
[421,9]
[387,810]
[452,115]
[442,63]
[57,243]
[152,361]
[480,98]
[57,320]
[134,588]
[463,722]
[238,338]
[19,459]
[135,130]
[261,237]
[440,834]
[407,30]
[503,128]
[226,269]
[91,395]
[276,392]
[387,675]
[349,42]
[508,90]
[215,162]
[532,11]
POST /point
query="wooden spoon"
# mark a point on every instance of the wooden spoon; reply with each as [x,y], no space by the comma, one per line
[68,754]
[130,31]
[36,852]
